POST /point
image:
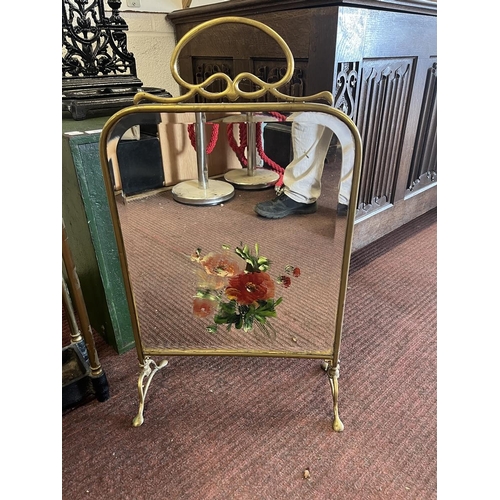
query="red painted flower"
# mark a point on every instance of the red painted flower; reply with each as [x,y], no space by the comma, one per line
[246,288]
[202,307]
[294,271]
[286,281]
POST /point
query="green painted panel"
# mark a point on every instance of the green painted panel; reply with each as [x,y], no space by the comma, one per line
[90,235]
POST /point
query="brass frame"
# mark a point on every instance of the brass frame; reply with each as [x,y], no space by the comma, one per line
[147,103]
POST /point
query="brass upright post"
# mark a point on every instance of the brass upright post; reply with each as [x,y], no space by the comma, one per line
[76,336]
[96,372]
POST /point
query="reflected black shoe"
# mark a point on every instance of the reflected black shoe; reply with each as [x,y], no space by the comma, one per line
[282,206]
[342,209]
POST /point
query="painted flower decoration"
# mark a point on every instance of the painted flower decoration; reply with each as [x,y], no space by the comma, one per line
[246,288]
[237,296]
[220,264]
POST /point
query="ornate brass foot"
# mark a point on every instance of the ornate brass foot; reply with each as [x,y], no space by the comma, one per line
[146,374]
[333,375]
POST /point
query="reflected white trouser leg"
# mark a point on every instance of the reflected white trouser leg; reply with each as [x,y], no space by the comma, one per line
[302,177]
[311,136]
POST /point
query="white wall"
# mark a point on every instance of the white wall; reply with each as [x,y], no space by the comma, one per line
[151,38]
[163,5]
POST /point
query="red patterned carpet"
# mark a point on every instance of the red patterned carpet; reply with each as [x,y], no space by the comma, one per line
[227,428]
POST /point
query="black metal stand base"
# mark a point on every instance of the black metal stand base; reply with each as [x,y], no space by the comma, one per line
[79,386]
[102,101]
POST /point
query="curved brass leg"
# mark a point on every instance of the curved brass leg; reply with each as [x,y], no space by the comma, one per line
[147,373]
[333,375]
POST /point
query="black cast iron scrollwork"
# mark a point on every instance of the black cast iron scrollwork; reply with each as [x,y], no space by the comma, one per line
[93,44]
[98,71]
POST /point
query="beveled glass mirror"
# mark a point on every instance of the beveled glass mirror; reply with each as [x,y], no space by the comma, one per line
[204,273]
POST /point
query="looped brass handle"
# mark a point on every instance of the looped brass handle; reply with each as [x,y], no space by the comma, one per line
[232,90]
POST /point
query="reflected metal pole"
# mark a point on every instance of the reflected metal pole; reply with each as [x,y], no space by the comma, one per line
[203,191]
[251,146]
[251,177]
[201,153]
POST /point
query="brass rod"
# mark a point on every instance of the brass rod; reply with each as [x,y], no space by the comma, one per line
[81,309]
[151,351]
[76,335]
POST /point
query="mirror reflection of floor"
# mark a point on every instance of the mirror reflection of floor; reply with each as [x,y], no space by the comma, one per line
[161,234]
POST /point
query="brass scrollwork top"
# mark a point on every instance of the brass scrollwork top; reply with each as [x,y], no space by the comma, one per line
[232,91]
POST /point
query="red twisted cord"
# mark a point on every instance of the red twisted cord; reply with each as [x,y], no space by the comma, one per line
[277,115]
[240,150]
[243,129]
[274,166]
[213,138]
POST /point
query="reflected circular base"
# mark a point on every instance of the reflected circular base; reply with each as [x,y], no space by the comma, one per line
[190,193]
[261,178]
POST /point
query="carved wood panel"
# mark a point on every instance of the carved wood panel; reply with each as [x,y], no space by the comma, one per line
[269,70]
[204,67]
[346,88]
[423,170]
[382,108]
[272,70]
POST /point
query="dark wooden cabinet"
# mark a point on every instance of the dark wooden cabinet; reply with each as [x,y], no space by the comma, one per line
[379,60]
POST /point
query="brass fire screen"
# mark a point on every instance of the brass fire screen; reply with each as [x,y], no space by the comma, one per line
[204,274]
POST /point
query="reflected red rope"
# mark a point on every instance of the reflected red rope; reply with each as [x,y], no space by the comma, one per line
[213,137]
[239,150]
